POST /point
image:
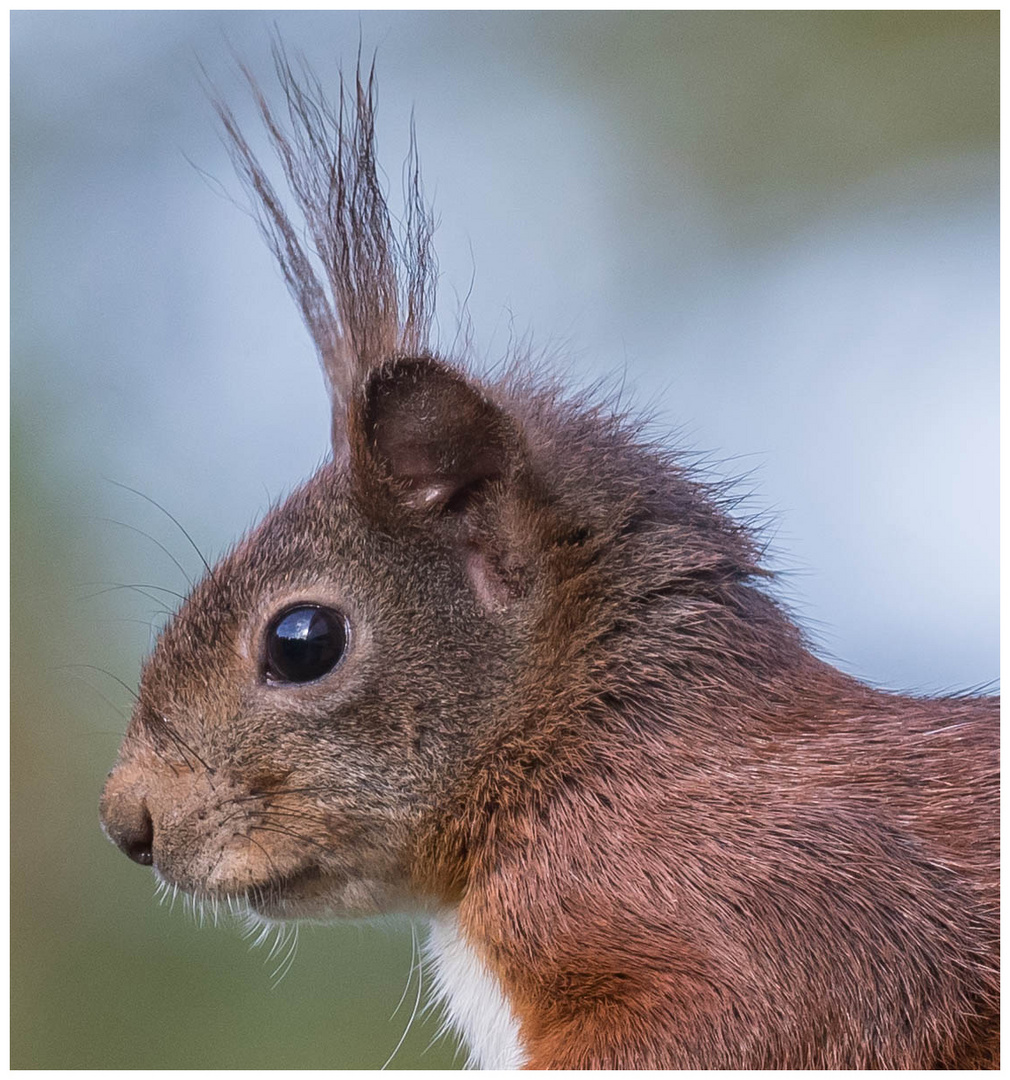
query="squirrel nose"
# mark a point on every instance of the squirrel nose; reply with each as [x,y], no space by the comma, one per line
[128,825]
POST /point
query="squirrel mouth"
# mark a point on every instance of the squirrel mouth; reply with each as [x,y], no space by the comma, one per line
[274,895]
[285,896]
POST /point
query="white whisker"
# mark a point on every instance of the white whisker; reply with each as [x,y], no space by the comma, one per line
[279,940]
[285,966]
[410,973]
[417,1003]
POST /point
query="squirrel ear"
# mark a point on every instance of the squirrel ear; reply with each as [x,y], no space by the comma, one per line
[433,434]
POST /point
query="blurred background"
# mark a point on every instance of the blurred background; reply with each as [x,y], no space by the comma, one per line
[779,229]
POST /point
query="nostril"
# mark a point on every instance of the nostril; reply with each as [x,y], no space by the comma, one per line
[126,819]
[138,843]
[132,831]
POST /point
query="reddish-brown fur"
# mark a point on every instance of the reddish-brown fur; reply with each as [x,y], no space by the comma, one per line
[676,837]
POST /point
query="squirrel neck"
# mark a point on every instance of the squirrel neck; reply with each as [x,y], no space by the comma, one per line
[561,845]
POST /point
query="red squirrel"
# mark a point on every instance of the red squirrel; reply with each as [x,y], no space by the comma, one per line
[503,665]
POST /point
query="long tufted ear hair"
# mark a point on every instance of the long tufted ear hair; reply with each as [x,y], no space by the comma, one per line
[365,289]
[420,441]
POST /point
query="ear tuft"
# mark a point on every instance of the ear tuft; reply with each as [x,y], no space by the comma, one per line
[434,434]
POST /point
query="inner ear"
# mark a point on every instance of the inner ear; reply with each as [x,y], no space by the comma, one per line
[434,434]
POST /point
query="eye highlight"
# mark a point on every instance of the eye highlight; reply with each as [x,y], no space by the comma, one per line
[304,643]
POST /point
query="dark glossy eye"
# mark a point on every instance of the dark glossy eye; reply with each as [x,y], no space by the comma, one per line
[304,643]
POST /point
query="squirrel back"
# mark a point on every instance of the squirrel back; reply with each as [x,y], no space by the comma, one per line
[505,664]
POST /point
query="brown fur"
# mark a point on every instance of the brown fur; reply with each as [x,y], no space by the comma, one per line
[676,837]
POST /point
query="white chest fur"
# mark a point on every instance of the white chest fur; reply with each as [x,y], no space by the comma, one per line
[474,1002]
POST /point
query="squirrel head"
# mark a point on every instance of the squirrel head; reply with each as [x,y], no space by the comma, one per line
[328,679]
[355,693]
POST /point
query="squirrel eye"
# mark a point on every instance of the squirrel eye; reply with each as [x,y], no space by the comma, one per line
[304,643]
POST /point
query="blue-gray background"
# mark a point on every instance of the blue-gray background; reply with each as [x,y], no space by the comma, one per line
[779,229]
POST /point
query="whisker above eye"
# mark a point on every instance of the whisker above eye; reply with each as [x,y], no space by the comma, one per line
[157,543]
[114,586]
[115,708]
[102,671]
[171,517]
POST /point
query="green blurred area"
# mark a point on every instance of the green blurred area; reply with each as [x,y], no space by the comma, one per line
[769,108]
